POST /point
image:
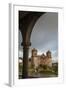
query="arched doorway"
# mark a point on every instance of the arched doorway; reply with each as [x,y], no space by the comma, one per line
[27,22]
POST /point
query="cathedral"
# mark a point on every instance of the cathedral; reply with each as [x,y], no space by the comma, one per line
[43,59]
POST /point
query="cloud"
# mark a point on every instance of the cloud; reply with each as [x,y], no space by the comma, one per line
[44,35]
[20,53]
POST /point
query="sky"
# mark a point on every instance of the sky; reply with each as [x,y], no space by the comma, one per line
[44,35]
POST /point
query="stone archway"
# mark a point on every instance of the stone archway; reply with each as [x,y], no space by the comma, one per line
[27,21]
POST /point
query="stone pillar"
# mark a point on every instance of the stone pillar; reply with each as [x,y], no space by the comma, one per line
[25,59]
[27,21]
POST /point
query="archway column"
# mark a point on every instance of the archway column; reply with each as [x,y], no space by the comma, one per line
[25,59]
[27,21]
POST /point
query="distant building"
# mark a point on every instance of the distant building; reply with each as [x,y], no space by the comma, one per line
[37,60]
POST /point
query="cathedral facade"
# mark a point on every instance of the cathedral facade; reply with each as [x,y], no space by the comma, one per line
[43,59]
